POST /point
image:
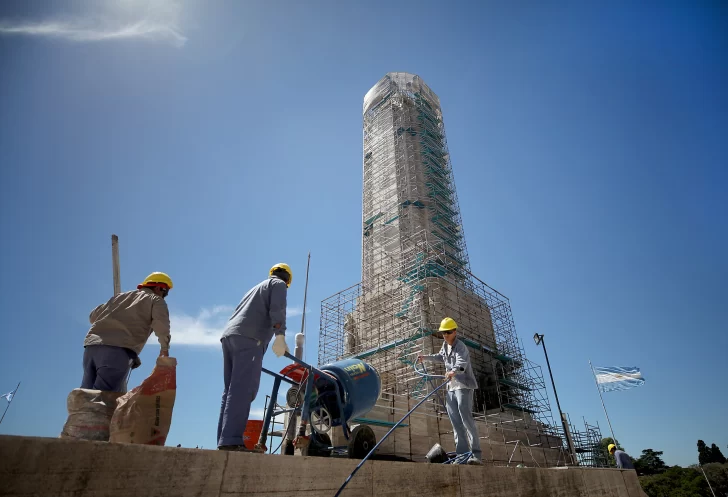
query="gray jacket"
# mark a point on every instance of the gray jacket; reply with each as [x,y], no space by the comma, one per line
[261,308]
[457,360]
[127,321]
[623,460]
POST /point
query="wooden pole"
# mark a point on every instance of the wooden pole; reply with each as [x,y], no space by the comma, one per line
[115,264]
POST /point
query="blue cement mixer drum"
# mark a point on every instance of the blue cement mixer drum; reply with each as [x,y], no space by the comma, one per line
[359,386]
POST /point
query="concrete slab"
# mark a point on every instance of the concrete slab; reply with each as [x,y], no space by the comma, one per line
[604,483]
[632,483]
[555,482]
[472,481]
[68,468]
[402,479]
[531,483]
[65,468]
[283,476]
[499,481]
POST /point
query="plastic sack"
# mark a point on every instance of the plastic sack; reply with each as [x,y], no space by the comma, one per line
[144,415]
[89,414]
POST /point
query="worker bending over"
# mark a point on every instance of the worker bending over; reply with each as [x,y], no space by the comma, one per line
[119,330]
[621,457]
[260,315]
[459,401]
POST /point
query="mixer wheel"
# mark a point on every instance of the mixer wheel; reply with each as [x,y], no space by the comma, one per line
[318,445]
[321,420]
[361,441]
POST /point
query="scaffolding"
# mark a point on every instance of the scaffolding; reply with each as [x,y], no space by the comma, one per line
[587,445]
[416,271]
[371,325]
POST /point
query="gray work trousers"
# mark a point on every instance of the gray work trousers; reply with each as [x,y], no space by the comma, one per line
[459,404]
[242,365]
[106,367]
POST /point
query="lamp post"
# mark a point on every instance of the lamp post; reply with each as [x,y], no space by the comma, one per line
[540,341]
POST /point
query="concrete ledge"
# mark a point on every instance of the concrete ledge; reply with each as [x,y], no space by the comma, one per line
[48,467]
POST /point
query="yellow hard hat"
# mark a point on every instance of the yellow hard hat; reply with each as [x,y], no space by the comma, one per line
[610,447]
[448,324]
[157,279]
[285,267]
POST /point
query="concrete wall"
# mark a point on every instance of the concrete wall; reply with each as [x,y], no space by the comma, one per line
[65,468]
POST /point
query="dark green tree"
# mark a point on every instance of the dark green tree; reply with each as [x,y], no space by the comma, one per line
[676,482]
[603,444]
[716,455]
[718,476]
[650,463]
[704,453]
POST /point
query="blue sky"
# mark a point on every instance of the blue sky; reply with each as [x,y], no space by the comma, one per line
[218,138]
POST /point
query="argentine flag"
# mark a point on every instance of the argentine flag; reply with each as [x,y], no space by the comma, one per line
[618,378]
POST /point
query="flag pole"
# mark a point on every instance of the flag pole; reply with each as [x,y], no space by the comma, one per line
[11,401]
[706,479]
[602,399]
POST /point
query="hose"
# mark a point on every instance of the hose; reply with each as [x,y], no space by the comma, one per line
[425,374]
[290,418]
[348,479]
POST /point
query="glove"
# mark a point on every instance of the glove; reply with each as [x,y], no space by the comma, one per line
[279,345]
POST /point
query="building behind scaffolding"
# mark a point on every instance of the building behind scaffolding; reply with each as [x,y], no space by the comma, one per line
[416,271]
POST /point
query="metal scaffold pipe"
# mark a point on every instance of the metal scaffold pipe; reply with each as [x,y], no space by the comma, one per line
[115,264]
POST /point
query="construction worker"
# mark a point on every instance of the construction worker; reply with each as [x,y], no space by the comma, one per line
[260,315]
[621,457]
[459,401]
[119,330]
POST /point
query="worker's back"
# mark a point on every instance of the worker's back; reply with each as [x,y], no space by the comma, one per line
[623,460]
[127,320]
[259,308]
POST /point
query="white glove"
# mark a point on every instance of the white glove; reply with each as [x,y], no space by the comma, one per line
[279,345]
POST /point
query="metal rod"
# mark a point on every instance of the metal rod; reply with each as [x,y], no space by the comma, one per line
[305,295]
[306,365]
[602,399]
[276,375]
[10,402]
[299,352]
[269,411]
[513,453]
[556,395]
[115,264]
[706,479]
[346,482]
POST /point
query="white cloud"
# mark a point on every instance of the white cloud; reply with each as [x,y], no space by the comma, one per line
[259,412]
[256,413]
[205,329]
[292,312]
[124,20]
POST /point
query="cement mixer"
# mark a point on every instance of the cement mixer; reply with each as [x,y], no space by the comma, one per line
[326,398]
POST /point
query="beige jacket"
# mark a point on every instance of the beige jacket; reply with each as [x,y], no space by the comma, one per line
[127,320]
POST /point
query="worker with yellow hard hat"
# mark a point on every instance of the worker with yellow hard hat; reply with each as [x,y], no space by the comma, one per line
[459,400]
[259,315]
[119,330]
[620,457]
